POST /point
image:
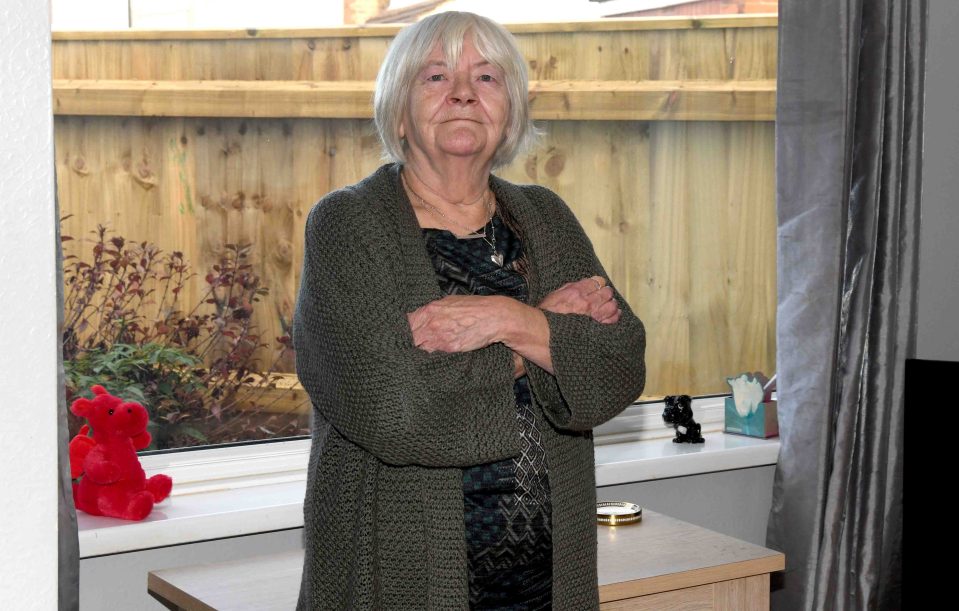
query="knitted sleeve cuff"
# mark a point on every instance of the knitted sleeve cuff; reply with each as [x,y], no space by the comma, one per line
[598,370]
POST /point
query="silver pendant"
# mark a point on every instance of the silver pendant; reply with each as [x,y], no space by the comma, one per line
[497,258]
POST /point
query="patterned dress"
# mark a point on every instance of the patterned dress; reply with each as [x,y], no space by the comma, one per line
[506,503]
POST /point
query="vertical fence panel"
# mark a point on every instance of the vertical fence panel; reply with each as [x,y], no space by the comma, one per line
[682,213]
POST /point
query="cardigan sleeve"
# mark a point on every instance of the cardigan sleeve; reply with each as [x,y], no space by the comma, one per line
[598,369]
[356,358]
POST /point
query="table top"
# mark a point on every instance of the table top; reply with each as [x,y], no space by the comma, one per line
[658,554]
[661,553]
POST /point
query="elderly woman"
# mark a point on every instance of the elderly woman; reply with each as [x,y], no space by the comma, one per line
[459,340]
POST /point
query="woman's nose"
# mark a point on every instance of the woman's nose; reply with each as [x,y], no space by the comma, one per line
[462,91]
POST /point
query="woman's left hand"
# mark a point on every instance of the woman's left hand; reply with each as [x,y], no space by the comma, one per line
[458,323]
[461,323]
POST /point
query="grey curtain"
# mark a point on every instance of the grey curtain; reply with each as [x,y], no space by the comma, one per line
[69,548]
[848,158]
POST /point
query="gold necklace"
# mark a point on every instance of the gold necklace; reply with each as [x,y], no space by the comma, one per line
[433,191]
[495,257]
[468,234]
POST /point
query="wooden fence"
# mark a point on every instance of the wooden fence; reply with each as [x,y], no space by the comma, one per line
[659,135]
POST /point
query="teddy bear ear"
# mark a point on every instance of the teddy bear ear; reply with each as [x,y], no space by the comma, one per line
[99,390]
[81,407]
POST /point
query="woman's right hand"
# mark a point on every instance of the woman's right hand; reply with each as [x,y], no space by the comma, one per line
[589,296]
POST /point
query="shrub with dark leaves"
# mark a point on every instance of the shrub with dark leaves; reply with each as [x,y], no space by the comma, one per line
[198,370]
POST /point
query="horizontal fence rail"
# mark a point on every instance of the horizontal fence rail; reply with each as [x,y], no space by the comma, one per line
[549,100]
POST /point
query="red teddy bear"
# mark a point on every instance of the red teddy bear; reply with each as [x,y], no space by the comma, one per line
[112,482]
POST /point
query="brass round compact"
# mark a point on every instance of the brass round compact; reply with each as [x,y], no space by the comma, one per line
[615,513]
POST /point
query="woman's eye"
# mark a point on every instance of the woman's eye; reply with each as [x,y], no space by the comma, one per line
[486,78]
[435,77]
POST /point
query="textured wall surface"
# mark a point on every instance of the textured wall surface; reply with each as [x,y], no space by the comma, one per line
[939,249]
[28,505]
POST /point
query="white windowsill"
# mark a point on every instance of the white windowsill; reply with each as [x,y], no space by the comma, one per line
[239,502]
[651,459]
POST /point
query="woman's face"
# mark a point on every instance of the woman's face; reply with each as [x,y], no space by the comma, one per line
[456,110]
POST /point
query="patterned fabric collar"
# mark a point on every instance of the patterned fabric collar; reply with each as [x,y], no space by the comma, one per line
[417,268]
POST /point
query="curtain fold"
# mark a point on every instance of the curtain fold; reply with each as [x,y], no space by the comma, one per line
[848,158]
[68,565]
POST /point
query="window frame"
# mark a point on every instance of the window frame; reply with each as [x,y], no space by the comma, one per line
[285,460]
[253,489]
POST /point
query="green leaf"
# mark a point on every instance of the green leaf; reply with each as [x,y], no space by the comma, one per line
[192,432]
[136,394]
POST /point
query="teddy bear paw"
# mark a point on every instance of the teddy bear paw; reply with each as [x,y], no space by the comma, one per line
[140,506]
[159,486]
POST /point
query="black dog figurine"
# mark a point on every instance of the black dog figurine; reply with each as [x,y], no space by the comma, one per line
[679,413]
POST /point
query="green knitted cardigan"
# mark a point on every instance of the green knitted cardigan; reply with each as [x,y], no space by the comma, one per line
[393,425]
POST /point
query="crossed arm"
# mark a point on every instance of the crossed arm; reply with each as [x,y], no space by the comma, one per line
[423,387]
[461,323]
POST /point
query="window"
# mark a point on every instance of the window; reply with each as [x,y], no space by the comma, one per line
[659,135]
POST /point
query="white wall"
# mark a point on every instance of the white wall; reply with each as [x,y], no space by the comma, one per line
[194,14]
[28,335]
[938,335]
[90,14]
[735,502]
[227,14]
[119,581]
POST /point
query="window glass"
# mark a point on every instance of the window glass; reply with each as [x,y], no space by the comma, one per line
[185,199]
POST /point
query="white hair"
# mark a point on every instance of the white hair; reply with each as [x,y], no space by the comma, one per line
[407,56]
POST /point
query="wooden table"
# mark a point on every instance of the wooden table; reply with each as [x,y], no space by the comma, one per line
[659,563]
[664,563]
